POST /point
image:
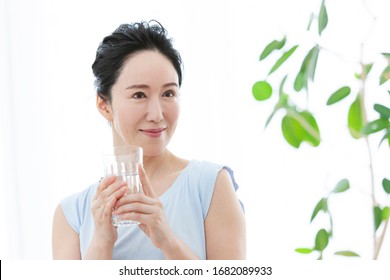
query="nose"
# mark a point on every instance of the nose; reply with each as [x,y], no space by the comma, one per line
[155,111]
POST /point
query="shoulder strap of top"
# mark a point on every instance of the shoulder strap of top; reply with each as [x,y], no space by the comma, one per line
[207,179]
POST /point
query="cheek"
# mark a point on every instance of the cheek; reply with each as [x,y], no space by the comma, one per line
[126,117]
[174,112]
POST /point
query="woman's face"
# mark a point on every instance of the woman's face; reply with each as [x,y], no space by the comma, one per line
[144,108]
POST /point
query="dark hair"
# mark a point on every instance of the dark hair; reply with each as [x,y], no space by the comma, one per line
[125,41]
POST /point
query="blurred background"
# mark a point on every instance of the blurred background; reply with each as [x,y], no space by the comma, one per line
[51,134]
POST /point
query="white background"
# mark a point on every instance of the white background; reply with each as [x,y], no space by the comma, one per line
[51,134]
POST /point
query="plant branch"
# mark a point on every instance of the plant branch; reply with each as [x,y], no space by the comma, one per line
[369,10]
[340,56]
[380,240]
[364,111]
[371,28]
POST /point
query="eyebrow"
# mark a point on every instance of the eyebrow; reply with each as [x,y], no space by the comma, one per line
[146,86]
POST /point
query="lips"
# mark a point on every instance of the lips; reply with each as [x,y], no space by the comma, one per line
[153,132]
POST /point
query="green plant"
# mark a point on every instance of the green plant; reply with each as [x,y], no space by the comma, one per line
[300,125]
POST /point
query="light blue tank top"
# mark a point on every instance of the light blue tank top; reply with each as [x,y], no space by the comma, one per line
[186,204]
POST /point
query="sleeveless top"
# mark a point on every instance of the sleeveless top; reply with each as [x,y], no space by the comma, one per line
[186,203]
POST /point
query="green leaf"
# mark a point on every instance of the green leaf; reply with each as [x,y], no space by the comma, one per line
[274,45]
[355,118]
[312,62]
[299,82]
[385,76]
[282,59]
[270,118]
[386,136]
[322,240]
[292,131]
[387,56]
[338,95]
[375,126]
[322,205]
[377,217]
[304,250]
[385,213]
[358,76]
[307,70]
[312,132]
[300,126]
[310,21]
[386,185]
[261,90]
[382,110]
[342,186]
[347,254]
[281,91]
[283,101]
[322,18]
[367,68]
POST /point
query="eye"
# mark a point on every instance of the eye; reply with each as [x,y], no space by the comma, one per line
[138,95]
[169,93]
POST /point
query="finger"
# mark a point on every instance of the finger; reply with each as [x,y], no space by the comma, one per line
[117,195]
[116,192]
[99,206]
[145,219]
[132,198]
[135,216]
[104,184]
[115,186]
[107,212]
[134,207]
[146,187]
[104,216]
[99,213]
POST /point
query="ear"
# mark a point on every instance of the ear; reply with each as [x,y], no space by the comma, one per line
[104,108]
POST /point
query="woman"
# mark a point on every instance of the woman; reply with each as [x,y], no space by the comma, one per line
[188,209]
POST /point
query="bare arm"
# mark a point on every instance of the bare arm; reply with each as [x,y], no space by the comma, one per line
[65,241]
[225,222]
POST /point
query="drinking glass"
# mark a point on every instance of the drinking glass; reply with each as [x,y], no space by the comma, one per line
[122,162]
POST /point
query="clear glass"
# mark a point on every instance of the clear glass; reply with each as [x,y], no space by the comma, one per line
[123,161]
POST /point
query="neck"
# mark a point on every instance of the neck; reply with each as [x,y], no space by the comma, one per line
[154,163]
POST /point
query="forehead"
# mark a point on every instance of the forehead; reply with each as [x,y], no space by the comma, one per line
[147,67]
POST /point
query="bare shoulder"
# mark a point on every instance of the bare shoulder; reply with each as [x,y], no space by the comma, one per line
[224,179]
[65,241]
[224,196]
[225,222]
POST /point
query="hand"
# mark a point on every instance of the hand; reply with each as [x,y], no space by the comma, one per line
[147,209]
[107,194]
